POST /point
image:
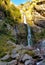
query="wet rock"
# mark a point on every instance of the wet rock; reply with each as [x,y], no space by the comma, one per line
[41,62]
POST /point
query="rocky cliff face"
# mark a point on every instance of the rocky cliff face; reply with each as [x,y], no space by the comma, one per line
[35,13]
[39,19]
[39,13]
[13,32]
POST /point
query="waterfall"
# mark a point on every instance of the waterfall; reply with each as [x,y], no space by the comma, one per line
[29,36]
[29,32]
[25,20]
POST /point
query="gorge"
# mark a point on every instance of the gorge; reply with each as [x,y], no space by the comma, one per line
[22,33]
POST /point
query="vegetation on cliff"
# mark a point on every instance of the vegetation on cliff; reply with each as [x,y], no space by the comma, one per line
[9,17]
[11,28]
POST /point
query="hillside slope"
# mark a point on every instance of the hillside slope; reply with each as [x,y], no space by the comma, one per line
[11,29]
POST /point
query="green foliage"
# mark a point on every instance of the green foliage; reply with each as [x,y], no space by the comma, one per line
[38,36]
[12,16]
[11,12]
[4,47]
[31,53]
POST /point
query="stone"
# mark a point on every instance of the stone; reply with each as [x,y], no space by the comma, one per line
[11,43]
[39,14]
[5,57]
[14,55]
[41,63]
[19,63]
[3,63]
[19,47]
[14,51]
[42,43]
[29,62]
[26,57]
[42,46]
[36,29]
[37,51]
[40,23]
[13,62]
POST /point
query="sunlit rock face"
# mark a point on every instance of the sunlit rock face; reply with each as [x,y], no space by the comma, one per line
[40,23]
[39,13]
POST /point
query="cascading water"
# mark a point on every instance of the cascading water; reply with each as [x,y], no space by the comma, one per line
[25,20]
[29,36]
[29,32]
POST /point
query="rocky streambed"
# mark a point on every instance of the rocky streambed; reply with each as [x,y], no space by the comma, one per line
[21,55]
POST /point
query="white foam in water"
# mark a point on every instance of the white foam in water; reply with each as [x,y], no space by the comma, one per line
[25,20]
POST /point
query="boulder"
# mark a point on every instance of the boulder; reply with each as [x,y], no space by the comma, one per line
[13,62]
[29,62]
[41,62]
[13,51]
[26,57]
[41,46]
[40,23]
[11,43]
[5,57]
[14,55]
[3,63]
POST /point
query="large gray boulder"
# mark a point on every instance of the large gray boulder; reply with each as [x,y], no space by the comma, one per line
[5,57]
[26,57]
[13,62]
[15,55]
[3,63]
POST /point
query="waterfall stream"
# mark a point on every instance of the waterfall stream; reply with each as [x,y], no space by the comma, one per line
[29,32]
